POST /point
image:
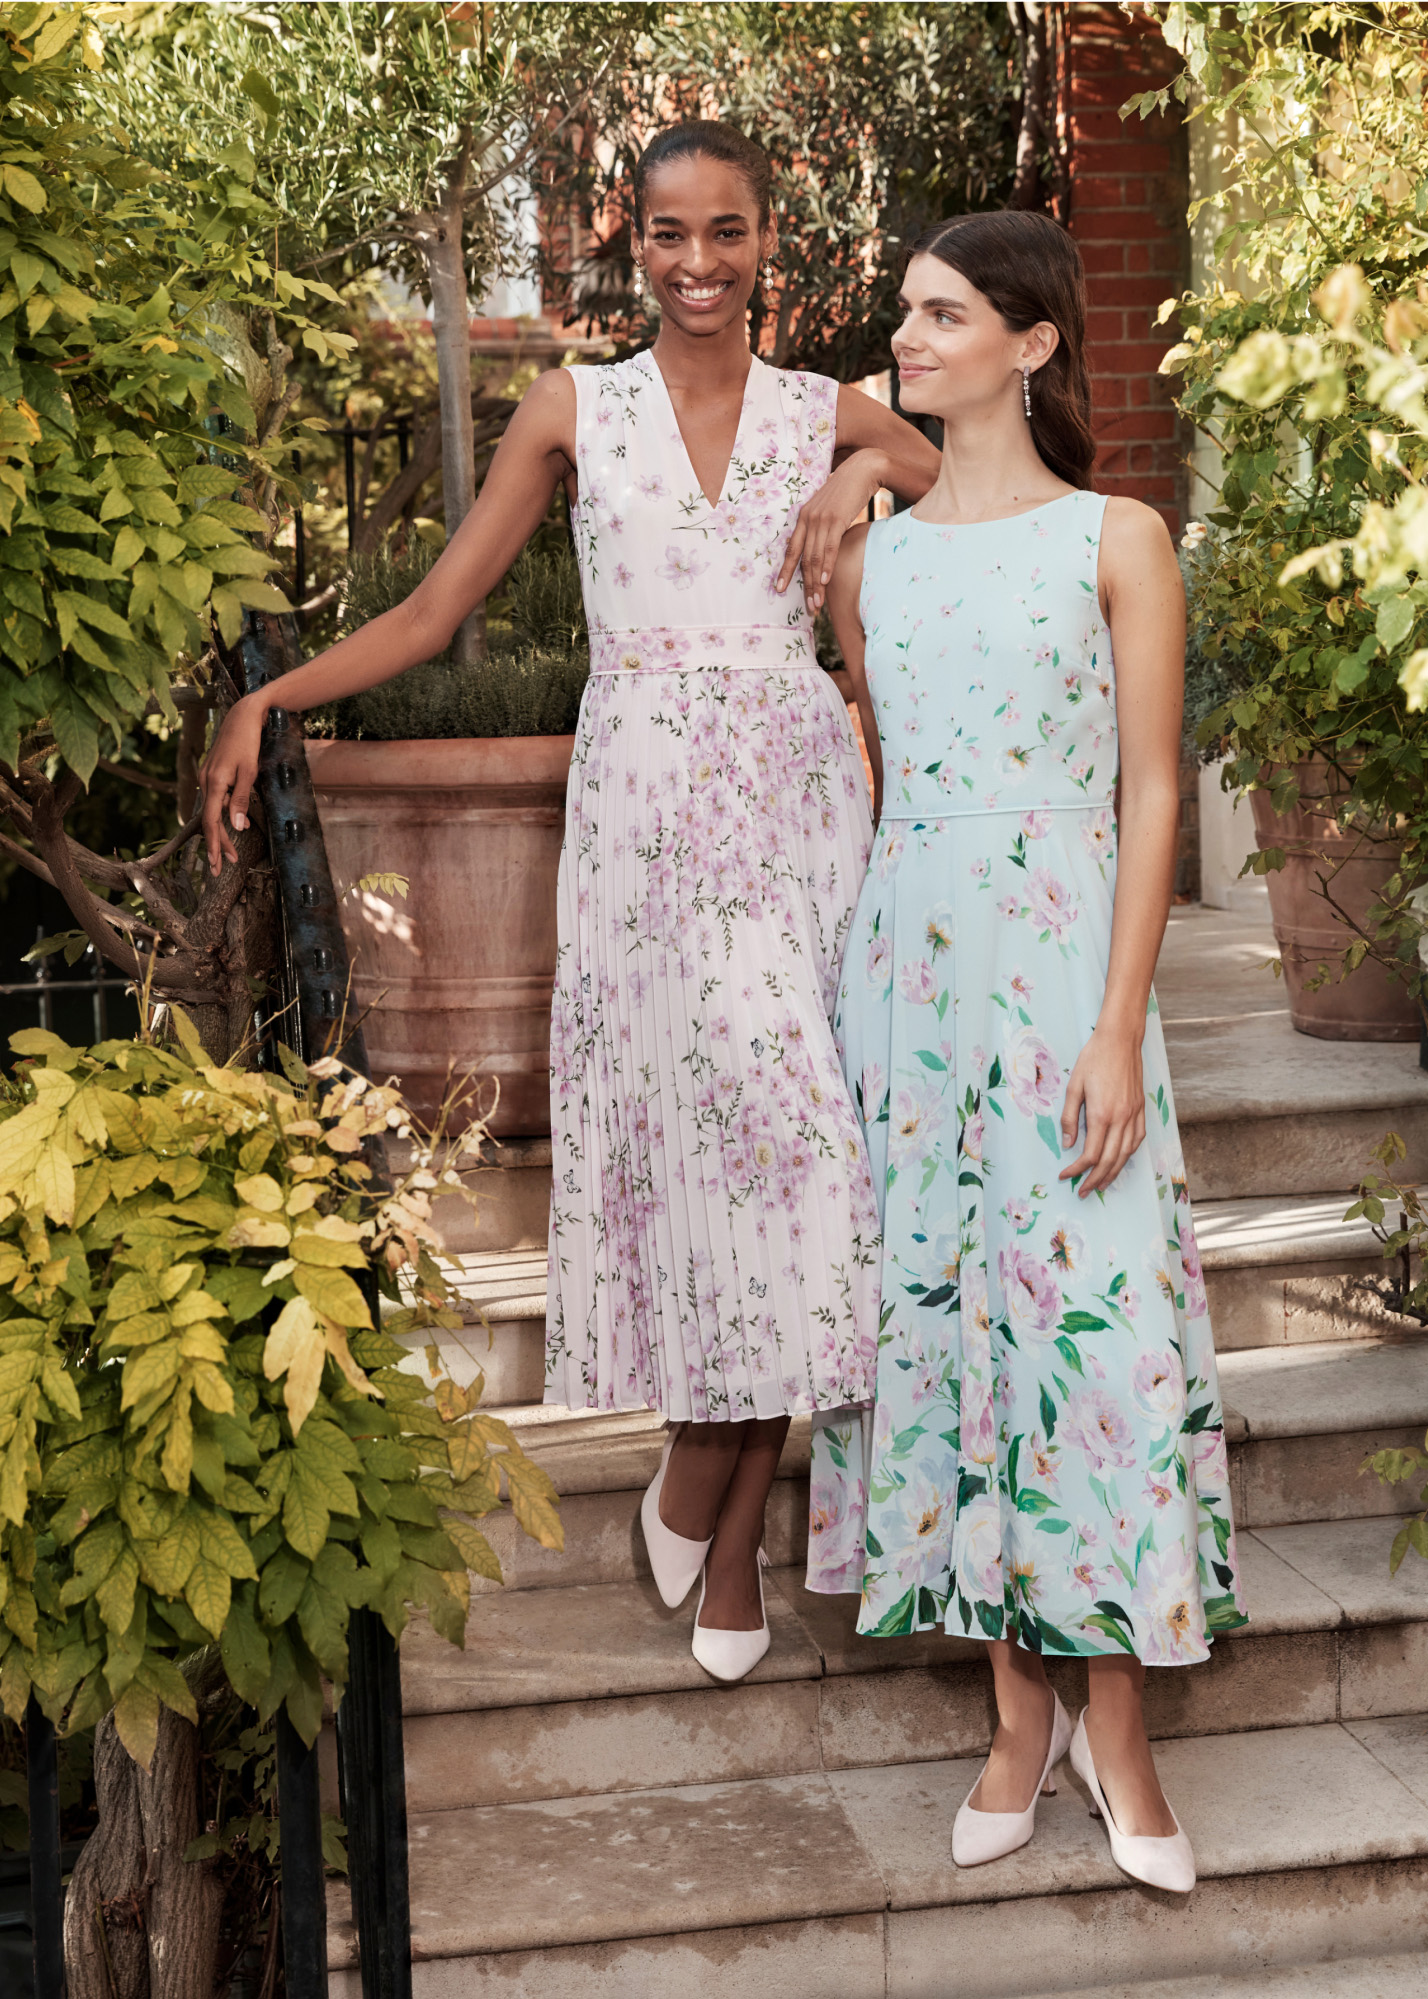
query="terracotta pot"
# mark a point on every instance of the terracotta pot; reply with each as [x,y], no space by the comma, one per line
[458,976]
[1370,1004]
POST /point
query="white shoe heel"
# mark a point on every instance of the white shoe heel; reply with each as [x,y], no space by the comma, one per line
[979,1836]
[675,1561]
[729,1655]
[1161,1861]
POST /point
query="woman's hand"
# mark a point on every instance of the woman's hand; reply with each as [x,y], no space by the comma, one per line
[228,776]
[822,524]
[1109,1085]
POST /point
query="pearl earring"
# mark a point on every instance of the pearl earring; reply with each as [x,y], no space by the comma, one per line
[639,281]
[1026,392]
[768,273]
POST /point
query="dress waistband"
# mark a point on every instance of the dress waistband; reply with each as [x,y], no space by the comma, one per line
[696,649]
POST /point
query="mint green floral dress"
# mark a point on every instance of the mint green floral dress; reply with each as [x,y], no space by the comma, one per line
[1045,1459]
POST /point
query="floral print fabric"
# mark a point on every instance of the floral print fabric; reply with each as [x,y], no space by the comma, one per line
[1046,1458]
[714,1233]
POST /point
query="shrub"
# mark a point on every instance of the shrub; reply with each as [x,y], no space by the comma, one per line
[203,1434]
[530,685]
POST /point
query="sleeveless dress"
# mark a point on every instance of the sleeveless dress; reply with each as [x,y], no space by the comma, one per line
[713,1230]
[1046,1458]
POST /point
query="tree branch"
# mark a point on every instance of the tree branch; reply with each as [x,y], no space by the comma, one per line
[139,777]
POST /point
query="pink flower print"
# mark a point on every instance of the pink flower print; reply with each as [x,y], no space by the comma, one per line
[1096,1426]
[874,1087]
[973,1134]
[1051,903]
[979,1423]
[917,982]
[1040,1462]
[1098,835]
[1211,1462]
[1169,1589]
[1088,1577]
[1124,1530]
[1081,771]
[1130,1301]
[624,576]
[1158,1493]
[1033,1072]
[1196,1303]
[835,1522]
[979,1550]
[1033,1297]
[1068,1248]
[752,641]
[879,961]
[917,1117]
[680,567]
[1158,1384]
[651,487]
[1022,986]
[1035,825]
[1019,1213]
[939,929]
[711,639]
[1009,907]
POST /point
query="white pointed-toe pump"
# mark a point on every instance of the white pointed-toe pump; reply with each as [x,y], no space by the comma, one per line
[729,1655]
[1160,1860]
[676,1562]
[979,1836]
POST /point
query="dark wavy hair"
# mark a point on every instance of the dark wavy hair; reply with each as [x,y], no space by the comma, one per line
[1028,269]
[707,139]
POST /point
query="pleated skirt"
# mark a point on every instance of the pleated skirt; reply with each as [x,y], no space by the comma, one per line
[714,1237]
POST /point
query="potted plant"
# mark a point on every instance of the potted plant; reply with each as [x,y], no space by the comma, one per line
[452,778]
[1302,365]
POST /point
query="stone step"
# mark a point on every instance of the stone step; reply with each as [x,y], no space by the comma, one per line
[1262,1109]
[573,1692]
[1299,1421]
[1403,1976]
[1311,1842]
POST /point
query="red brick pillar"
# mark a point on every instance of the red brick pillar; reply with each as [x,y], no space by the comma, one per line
[1129,189]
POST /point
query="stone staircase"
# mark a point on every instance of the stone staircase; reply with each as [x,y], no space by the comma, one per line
[591,1816]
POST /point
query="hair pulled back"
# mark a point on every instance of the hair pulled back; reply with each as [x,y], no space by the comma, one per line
[1028,269]
[707,139]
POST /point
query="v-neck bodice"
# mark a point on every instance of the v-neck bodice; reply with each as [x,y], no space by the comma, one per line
[683,441]
[669,579]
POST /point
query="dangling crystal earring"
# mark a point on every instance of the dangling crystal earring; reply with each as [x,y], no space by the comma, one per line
[1026,392]
[639,280]
[768,274]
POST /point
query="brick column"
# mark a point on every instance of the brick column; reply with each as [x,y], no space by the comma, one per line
[1129,189]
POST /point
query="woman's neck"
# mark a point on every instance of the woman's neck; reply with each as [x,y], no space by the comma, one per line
[990,469]
[713,364]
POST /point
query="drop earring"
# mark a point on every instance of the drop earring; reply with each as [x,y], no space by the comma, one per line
[768,274]
[1026,392]
[639,280]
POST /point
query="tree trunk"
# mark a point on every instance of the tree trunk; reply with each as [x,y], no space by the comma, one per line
[440,233]
[106,1948]
[1029,22]
[185,1897]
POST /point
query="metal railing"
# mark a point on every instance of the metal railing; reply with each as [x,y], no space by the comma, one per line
[44,988]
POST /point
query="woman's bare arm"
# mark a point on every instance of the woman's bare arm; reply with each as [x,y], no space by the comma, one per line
[537,451]
[843,592]
[882,450]
[1144,602]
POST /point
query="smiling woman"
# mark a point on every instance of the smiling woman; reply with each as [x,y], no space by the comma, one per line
[713,1230]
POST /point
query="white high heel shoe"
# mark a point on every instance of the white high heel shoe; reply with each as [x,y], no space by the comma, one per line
[979,1836]
[1160,1860]
[676,1562]
[729,1655]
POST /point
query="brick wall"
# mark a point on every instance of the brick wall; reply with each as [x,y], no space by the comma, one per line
[1129,188]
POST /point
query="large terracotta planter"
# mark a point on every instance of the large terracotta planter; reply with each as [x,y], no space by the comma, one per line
[458,975]
[1370,1004]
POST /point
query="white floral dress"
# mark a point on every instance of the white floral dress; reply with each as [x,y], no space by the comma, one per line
[713,1232]
[1046,1459]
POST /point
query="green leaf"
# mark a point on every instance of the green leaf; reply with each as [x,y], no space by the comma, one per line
[305,1514]
[246,1657]
[284,1579]
[136,1717]
[208,1593]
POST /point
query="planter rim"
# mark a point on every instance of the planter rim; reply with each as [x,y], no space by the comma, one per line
[440,762]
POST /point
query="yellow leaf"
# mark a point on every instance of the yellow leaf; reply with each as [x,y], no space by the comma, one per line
[136,1717]
[208,1593]
[261,1191]
[54,1181]
[258,1232]
[337,1346]
[473,1547]
[24,188]
[333,1293]
[296,1348]
[533,1500]
[176,1464]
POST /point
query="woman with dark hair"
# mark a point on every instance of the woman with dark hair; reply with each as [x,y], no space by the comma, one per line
[1045,1464]
[713,1241]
